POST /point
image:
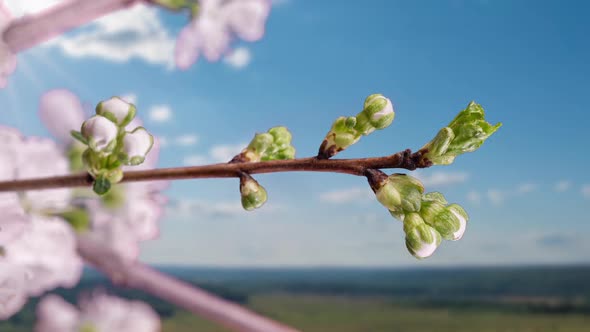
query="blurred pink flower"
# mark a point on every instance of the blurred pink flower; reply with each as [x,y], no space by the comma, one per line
[38,249]
[7,57]
[128,214]
[99,313]
[212,30]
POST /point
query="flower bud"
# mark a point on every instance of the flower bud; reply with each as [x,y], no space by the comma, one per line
[377,114]
[342,134]
[136,145]
[100,133]
[422,241]
[458,211]
[117,110]
[466,133]
[281,137]
[435,196]
[253,194]
[443,219]
[399,193]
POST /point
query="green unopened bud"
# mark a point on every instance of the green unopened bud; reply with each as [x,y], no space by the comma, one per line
[78,218]
[281,136]
[411,221]
[253,194]
[466,133]
[435,196]
[422,241]
[117,110]
[173,4]
[136,145]
[272,145]
[450,223]
[399,193]
[341,135]
[100,133]
[284,154]
[377,114]
[101,185]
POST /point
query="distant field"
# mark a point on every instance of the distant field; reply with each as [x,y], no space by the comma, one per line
[340,314]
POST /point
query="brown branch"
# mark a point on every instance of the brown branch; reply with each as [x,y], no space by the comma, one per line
[404,159]
[191,298]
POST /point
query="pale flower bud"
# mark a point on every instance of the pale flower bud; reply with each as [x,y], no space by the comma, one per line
[399,193]
[377,114]
[100,133]
[422,241]
[253,194]
[449,222]
[136,145]
[117,110]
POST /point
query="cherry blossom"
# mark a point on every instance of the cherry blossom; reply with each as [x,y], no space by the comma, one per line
[215,25]
[98,313]
[7,57]
[128,213]
[38,247]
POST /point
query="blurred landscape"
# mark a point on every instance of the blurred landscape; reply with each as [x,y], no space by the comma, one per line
[349,300]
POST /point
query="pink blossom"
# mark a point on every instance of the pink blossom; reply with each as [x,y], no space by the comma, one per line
[130,213]
[100,313]
[7,57]
[212,30]
[38,249]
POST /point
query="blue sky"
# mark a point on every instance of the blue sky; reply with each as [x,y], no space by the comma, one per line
[527,189]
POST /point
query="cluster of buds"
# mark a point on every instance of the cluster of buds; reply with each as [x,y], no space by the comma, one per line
[466,133]
[272,145]
[427,218]
[377,113]
[109,145]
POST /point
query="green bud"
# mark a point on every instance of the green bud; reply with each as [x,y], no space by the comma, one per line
[466,133]
[281,136]
[422,241]
[435,196]
[377,112]
[285,154]
[450,223]
[253,194]
[342,134]
[411,221]
[101,185]
[400,193]
[260,143]
[175,5]
[78,218]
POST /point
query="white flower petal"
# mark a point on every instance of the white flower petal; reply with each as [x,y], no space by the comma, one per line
[61,112]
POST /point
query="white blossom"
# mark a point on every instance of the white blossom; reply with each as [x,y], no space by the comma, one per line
[7,57]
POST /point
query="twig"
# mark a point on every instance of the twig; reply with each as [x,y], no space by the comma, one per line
[405,159]
[32,30]
[138,276]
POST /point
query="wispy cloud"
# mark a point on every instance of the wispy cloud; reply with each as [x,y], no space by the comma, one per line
[217,154]
[187,140]
[586,191]
[474,197]
[439,179]
[239,58]
[563,185]
[498,197]
[160,113]
[345,196]
[135,33]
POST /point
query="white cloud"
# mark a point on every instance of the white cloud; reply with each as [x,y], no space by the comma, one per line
[437,179]
[225,152]
[239,58]
[20,7]
[200,209]
[586,190]
[135,33]
[497,197]
[526,188]
[217,154]
[346,196]
[474,197]
[130,98]
[160,113]
[562,186]
[187,140]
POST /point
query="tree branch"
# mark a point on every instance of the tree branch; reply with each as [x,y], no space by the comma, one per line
[136,275]
[32,30]
[404,159]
